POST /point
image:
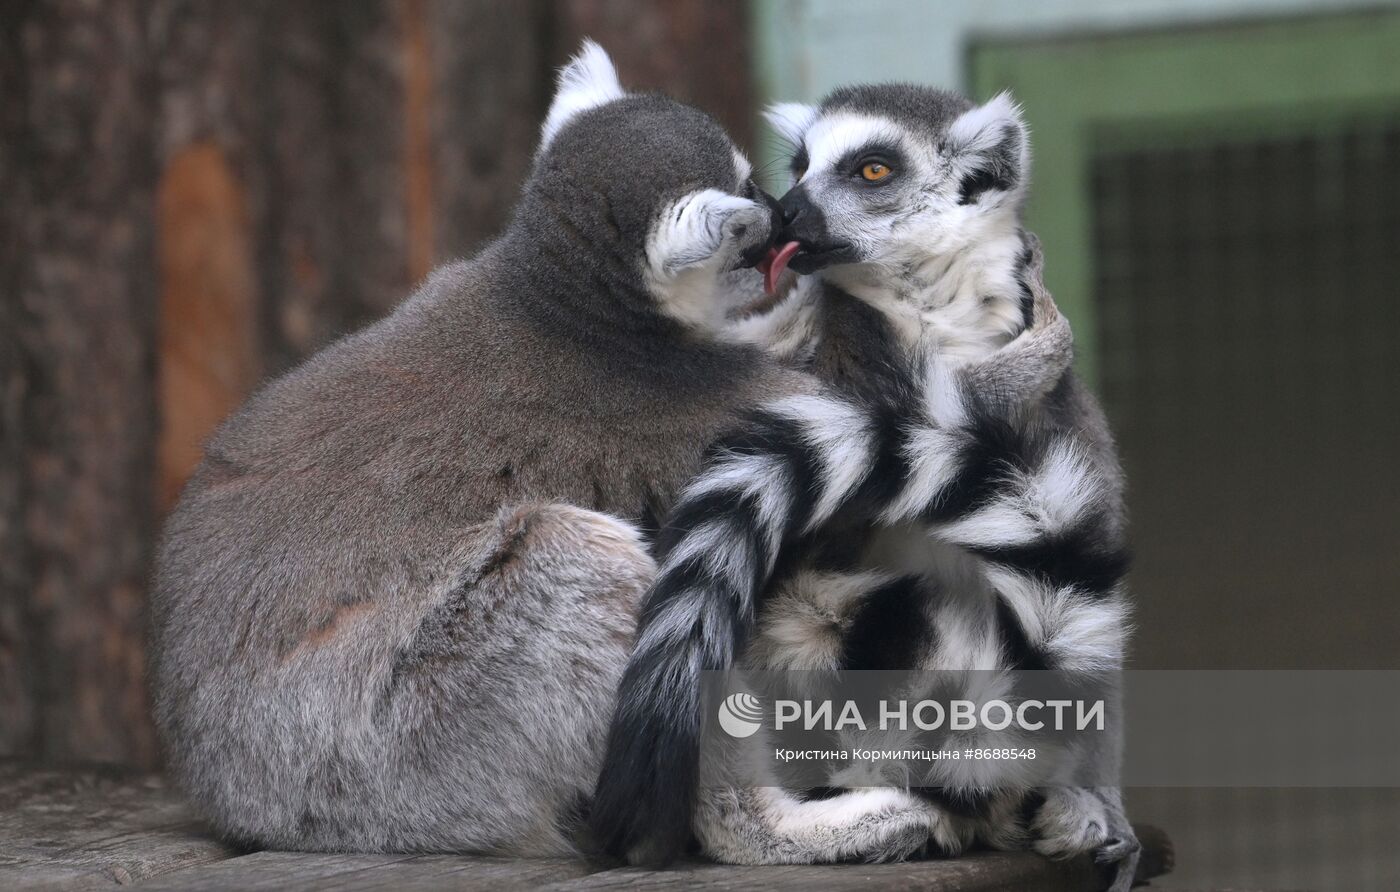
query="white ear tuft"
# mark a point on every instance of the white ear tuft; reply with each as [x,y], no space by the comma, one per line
[791,120]
[994,147]
[987,126]
[588,81]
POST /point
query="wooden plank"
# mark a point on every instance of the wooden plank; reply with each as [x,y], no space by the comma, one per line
[91,829]
[95,828]
[979,872]
[353,873]
[974,872]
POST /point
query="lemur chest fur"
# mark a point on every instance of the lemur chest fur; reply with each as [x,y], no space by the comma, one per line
[968,302]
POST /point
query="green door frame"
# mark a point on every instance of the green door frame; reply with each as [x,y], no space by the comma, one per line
[1085,92]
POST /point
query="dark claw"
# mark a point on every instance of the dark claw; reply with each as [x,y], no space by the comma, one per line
[1116,849]
[1120,856]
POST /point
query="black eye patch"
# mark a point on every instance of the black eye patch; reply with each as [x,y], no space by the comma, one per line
[887,154]
[800,160]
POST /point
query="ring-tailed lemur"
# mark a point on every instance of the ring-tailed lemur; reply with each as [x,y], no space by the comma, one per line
[908,200]
[393,604]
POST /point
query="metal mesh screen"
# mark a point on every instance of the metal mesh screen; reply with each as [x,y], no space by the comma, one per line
[1249,296]
[1248,293]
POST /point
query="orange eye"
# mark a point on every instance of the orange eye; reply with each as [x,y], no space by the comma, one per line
[874,172]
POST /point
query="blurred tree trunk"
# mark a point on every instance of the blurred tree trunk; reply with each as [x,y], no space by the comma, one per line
[80,409]
[18,725]
[198,196]
[694,50]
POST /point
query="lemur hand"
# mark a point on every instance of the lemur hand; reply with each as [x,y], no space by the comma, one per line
[707,227]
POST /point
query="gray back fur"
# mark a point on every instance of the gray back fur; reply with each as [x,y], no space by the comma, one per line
[386,615]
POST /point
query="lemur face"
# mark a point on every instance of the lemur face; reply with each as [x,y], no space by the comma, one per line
[888,177]
[670,192]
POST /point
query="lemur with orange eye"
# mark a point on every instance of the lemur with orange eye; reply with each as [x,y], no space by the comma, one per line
[929,517]
[393,604]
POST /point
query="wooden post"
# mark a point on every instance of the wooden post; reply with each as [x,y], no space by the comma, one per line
[79,406]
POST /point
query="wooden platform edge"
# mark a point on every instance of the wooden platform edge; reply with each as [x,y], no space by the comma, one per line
[95,828]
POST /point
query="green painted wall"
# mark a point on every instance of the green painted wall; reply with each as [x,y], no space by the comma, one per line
[1089,69]
[1289,76]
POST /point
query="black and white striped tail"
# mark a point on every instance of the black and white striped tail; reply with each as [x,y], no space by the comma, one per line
[787,469]
[1027,501]
[784,472]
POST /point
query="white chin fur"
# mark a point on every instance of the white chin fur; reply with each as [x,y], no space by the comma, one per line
[955,281]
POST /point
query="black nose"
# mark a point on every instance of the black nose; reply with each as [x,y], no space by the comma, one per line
[798,215]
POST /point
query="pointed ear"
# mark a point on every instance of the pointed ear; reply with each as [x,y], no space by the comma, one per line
[991,146]
[791,120]
[588,81]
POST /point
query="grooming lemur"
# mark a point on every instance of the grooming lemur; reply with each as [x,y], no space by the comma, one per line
[393,604]
[1003,517]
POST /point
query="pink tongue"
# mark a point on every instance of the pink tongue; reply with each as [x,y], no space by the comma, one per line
[774,264]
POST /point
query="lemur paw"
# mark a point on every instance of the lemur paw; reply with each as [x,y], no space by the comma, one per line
[740,223]
[1071,821]
[706,226]
[896,826]
[951,835]
[1001,825]
[903,839]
